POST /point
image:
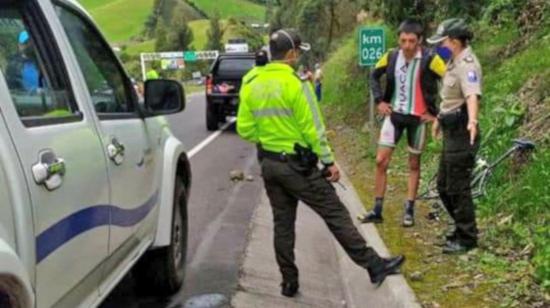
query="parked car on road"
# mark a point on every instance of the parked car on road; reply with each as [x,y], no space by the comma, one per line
[223,86]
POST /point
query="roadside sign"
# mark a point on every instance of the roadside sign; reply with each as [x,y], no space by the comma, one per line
[372,45]
[190,56]
[155,56]
[176,59]
[207,54]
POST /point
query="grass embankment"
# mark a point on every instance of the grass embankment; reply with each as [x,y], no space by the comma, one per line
[232,8]
[512,265]
[108,14]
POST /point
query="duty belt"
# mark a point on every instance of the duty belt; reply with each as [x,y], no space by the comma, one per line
[454,118]
[280,157]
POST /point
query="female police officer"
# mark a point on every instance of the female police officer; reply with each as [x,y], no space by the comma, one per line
[458,119]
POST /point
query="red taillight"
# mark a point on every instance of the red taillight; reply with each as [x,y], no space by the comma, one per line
[209,84]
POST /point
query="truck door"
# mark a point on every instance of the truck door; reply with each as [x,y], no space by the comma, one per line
[124,134]
[61,154]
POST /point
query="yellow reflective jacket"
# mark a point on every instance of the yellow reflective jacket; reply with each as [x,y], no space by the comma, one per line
[278,110]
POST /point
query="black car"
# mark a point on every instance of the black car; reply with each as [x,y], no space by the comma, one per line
[223,86]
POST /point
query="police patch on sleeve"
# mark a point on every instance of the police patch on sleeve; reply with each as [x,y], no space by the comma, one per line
[472,77]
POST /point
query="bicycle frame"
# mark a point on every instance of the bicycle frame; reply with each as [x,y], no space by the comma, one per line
[480,177]
[504,156]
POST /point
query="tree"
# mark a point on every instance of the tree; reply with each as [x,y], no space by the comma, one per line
[268,10]
[161,43]
[180,35]
[320,22]
[331,6]
[151,24]
[253,38]
[215,33]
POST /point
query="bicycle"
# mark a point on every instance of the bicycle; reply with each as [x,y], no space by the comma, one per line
[480,175]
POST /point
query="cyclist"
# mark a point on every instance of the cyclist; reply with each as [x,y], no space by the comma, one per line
[408,103]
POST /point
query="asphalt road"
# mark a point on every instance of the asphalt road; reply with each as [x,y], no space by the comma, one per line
[219,215]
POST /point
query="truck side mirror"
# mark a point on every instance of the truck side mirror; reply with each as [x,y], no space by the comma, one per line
[163,97]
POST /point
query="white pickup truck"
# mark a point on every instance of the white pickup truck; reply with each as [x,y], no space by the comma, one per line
[92,182]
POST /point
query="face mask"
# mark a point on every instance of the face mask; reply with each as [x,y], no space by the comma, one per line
[444,52]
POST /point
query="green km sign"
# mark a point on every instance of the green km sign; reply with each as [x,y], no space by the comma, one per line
[372,45]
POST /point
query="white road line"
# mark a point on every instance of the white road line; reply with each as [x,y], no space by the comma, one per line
[208,140]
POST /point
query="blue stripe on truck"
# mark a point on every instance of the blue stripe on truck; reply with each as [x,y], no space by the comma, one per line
[84,220]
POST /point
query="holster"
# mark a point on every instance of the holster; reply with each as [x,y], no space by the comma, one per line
[307,159]
[454,118]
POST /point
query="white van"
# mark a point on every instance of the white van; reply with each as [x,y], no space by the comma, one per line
[92,182]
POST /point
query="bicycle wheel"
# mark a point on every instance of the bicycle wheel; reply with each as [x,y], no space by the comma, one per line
[479,182]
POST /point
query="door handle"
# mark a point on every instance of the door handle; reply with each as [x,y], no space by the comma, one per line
[115,151]
[49,170]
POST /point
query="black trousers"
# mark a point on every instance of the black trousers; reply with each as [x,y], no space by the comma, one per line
[454,180]
[286,184]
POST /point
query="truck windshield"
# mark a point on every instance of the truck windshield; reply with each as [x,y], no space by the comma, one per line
[235,67]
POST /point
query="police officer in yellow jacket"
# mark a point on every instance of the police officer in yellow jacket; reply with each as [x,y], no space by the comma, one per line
[458,119]
[280,114]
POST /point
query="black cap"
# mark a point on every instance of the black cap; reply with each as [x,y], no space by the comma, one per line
[452,28]
[286,39]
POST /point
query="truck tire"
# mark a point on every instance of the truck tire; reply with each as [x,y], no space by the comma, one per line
[161,272]
[211,118]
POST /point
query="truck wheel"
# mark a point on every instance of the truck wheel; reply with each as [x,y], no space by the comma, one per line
[162,271]
[211,118]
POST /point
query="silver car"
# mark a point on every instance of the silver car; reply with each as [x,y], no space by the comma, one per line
[92,182]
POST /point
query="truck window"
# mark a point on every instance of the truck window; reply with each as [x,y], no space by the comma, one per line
[234,67]
[107,83]
[37,89]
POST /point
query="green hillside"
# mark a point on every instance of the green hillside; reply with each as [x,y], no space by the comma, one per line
[137,48]
[107,15]
[232,8]
[116,20]
[200,29]
[170,6]
[93,4]
[126,27]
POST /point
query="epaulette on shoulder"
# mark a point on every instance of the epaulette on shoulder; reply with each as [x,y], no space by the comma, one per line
[469,59]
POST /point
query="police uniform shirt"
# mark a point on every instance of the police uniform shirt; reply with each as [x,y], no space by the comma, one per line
[463,79]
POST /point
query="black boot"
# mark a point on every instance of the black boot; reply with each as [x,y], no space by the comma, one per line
[390,267]
[455,247]
[374,216]
[446,239]
[289,289]
[371,217]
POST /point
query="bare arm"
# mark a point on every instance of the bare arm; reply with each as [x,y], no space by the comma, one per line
[472,103]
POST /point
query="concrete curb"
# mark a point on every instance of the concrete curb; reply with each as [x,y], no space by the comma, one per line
[357,286]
